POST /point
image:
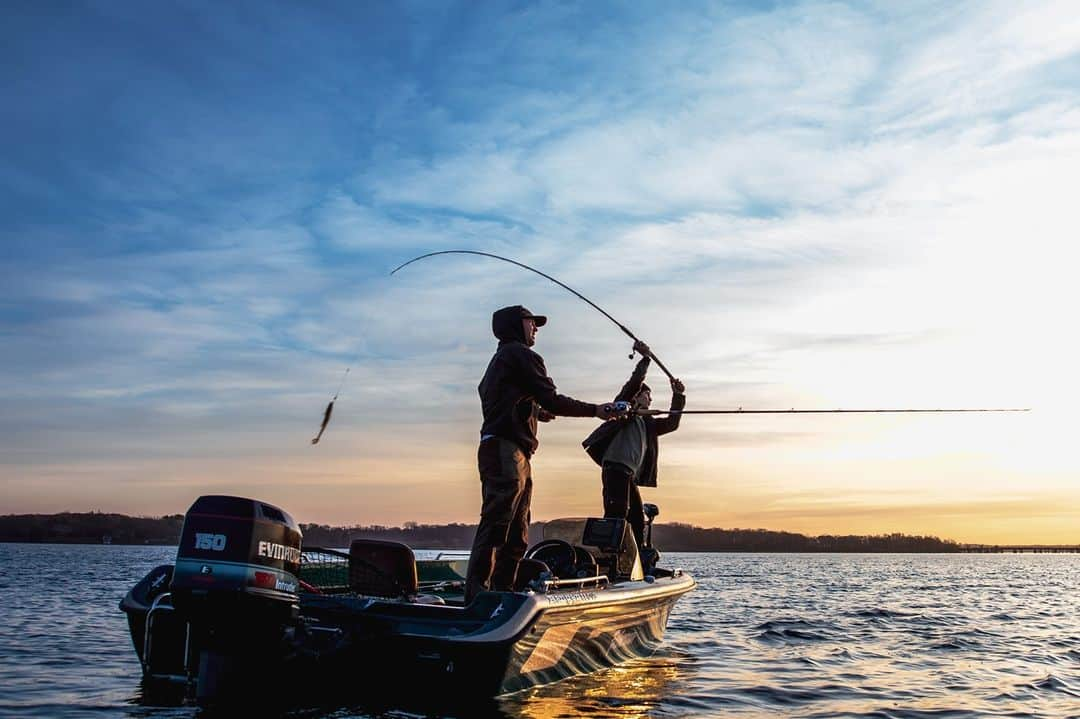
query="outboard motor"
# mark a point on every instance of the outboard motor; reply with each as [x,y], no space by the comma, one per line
[235,580]
[237,553]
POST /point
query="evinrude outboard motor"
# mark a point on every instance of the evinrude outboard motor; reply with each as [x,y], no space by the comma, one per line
[235,581]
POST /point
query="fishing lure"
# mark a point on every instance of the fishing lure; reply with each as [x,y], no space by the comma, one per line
[330,409]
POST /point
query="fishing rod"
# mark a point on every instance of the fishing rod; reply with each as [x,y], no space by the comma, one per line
[653,412]
[580,296]
[660,364]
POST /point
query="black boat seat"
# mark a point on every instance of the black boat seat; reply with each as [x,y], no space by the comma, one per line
[612,543]
[528,571]
[381,568]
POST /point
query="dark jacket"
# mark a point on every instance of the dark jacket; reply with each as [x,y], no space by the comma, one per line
[596,444]
[516,381]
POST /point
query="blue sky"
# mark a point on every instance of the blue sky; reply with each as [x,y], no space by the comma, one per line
[807,204]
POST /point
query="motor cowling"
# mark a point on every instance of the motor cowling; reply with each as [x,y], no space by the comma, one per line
[237,553]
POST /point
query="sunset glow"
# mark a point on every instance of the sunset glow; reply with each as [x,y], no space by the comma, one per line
[811,206]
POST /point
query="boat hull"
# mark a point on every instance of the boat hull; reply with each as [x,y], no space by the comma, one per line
[591,631]
[504,642]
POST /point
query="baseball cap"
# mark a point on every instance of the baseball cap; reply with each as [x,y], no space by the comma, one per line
[540,320]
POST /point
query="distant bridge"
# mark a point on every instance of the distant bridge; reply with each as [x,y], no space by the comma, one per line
[1020,548]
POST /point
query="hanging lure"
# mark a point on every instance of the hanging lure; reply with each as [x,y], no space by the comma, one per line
[330,409]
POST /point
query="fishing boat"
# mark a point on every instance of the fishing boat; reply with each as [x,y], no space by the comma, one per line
[246,609]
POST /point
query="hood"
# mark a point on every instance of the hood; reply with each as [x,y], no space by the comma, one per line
[506,324]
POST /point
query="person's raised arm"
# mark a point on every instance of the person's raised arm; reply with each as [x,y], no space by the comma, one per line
[670,423]
[637,377]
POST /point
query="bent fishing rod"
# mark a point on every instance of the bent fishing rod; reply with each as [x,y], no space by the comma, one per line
[577,294]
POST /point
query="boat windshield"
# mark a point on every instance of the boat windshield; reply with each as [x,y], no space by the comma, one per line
[568,529]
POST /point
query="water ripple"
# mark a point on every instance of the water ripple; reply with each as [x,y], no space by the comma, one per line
[890,636]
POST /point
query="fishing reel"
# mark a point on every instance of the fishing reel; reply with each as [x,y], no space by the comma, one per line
[619,409]
[634,351]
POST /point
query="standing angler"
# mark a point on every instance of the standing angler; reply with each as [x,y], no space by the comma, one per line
[514,393]
[627,450]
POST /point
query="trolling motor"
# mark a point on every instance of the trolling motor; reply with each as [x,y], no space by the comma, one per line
[649,555]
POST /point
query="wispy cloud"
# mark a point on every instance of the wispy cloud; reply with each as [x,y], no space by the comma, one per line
[823,203]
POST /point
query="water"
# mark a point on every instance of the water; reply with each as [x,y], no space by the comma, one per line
[763,635]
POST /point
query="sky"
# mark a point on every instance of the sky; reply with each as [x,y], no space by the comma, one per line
[797,205]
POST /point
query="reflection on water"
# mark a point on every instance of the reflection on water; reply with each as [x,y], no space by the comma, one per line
[900,636]
[628,691]
[639,688]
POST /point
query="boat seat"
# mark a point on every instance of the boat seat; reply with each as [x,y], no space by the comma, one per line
[529,570]
[613,545]
[382,568]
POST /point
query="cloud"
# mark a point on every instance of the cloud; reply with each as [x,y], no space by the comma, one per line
[815,204]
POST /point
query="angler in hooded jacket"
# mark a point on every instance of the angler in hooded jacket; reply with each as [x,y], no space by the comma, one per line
[627,449]
[515,393]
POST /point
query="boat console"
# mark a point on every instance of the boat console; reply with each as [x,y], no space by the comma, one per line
[577,547]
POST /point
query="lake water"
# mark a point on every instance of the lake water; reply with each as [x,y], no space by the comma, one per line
[834,635]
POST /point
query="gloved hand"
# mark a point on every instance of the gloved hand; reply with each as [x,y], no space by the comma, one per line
[677,386]
[642,349]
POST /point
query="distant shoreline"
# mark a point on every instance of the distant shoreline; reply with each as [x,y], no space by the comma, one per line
[964,549]
[98,528]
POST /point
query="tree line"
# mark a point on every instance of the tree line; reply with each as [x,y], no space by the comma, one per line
[678,537]
[90,528]
[98,527]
